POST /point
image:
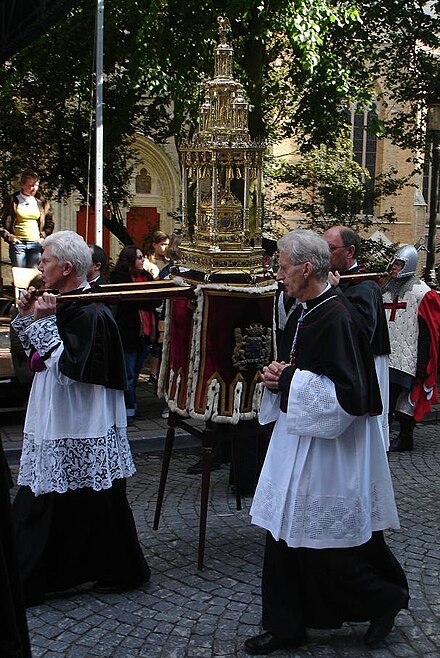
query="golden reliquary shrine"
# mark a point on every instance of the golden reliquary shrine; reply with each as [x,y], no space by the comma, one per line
[216,344]
[222,182]
[219,337]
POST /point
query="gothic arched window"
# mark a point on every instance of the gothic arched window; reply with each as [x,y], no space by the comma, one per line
[364,148]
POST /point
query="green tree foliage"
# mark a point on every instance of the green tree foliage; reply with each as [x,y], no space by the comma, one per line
[326,187]
[301,62]
[386,49]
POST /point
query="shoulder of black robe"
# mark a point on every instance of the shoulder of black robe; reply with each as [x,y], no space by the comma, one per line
[366,297]
[120,277]
[100,281]
[93,351]
[332,342]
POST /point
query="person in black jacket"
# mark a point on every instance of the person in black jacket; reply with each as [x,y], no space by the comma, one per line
[137,322]
[97,273]
[366,296]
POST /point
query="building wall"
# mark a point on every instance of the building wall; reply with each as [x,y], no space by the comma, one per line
[162,165]
[409,205]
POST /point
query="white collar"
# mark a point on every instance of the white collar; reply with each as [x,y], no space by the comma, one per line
[328,286]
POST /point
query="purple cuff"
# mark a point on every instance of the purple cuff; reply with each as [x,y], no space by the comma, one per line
[36,363]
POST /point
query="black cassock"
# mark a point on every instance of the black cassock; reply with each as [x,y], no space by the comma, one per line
[322,588]
[366,297]
[332,341]
[14,640]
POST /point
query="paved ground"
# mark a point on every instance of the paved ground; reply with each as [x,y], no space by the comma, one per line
[186,613]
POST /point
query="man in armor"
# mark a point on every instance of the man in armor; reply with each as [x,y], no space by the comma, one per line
[413,313]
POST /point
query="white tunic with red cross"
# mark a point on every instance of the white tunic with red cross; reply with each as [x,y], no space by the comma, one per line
[403,326]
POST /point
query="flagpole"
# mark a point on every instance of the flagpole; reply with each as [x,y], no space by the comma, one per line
[99,121]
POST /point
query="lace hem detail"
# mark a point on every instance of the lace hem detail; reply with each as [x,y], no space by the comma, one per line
[62,464]
[43,334]
[323,521]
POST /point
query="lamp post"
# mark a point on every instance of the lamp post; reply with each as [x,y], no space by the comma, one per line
[433,126]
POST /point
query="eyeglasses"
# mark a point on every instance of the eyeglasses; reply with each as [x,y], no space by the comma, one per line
[332,247]
[140,257]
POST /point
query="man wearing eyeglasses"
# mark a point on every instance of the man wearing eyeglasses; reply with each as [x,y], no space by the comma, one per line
[366,296]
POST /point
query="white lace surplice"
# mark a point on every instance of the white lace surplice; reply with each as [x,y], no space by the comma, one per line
[75,433]
[325,482]
[381,363]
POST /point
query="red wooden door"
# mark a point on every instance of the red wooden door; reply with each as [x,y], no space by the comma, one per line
[141,223]
[85,226]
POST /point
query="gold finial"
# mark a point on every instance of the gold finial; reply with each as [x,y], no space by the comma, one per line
[224,27]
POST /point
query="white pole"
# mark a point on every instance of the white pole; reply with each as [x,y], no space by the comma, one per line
[99,120]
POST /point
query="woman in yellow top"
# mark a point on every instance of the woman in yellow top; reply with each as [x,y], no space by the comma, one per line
[26,222]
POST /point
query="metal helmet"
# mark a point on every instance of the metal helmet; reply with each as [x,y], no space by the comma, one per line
[408,255]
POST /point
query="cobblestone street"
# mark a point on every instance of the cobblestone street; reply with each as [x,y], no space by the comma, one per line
[184,612]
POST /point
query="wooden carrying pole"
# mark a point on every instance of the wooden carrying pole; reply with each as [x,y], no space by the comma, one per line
[381,278]
[120,292]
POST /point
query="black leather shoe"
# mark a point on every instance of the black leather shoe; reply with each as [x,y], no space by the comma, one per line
[107,587]
[382,626]
[261,645]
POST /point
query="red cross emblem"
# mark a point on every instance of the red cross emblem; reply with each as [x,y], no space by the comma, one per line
[393,306]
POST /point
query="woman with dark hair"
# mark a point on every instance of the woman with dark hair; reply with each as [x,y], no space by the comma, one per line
[156,261]
[136,320]
[157,249]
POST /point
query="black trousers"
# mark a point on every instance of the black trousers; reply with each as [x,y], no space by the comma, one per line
[322,588]
[395,390]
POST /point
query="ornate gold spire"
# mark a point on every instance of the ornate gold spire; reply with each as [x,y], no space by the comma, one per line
[222,181]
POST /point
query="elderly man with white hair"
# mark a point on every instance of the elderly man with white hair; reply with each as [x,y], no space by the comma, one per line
[325,493]
[74,523]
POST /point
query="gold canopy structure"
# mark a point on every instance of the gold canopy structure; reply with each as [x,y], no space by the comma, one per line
[222,183]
